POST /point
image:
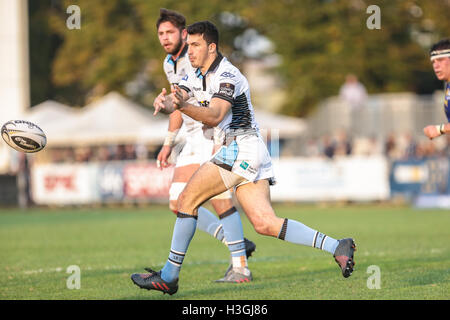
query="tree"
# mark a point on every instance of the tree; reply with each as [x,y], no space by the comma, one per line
[116,47]
[319,41]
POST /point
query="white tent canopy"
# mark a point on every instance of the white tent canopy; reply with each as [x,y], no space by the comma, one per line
[110,120]
[287,127]
[113,119]
[49,113]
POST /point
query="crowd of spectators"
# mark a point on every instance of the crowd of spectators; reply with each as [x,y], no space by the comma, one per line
[100,153]
[395,146]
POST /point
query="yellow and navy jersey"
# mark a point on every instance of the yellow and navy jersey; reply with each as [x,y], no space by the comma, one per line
[447,101]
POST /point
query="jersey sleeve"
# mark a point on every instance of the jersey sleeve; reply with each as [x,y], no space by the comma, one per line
[226,86]
[447,101]
[185,85]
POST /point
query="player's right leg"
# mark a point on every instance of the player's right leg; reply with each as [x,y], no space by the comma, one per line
[254,198]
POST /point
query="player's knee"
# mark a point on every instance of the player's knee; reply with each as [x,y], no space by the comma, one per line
[262,226]
[185,203]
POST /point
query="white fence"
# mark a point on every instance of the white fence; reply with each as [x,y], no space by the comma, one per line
[298,179]
[319,179]
[379,116]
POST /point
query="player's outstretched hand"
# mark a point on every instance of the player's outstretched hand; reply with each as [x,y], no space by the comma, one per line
[163,156]
[177,97]
[431,131]
[158,103]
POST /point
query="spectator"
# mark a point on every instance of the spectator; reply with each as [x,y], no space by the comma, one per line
[130,152]
[353,92]
[342,144]
[327,147]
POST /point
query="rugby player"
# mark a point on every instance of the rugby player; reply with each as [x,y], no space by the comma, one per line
[440,58]
[242,162]
[171,29]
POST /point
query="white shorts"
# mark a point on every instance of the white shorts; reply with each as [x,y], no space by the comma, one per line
[197,150]
[246,156]
[177,187]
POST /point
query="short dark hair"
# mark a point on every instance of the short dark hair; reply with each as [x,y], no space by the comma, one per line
[176,18]
[207,29]
[441,45]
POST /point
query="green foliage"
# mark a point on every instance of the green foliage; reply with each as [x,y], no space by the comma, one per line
[322,41]
[109,245]
[319,42]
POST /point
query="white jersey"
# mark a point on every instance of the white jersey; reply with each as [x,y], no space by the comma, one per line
[175,70]
[246,153]
[224,81]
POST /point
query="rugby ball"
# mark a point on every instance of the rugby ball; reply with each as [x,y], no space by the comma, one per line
[23,136]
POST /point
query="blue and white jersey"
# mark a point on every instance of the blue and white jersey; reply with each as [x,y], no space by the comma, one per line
[178,68]
[223,80]
[175,70]
[447,101]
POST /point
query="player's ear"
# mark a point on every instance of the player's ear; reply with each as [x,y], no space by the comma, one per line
[184,34]
[212,47]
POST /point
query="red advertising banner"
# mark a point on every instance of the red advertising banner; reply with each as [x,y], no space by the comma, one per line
[147,181]
[64,184]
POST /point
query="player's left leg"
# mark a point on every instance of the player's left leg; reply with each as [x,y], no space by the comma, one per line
[181,175]
[207,221]
[203,185]
[255,201]
[195,151]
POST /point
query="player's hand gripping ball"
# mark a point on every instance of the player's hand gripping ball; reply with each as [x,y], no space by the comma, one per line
[24,136]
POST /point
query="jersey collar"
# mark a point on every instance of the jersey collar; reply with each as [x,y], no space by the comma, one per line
[182,54]
[211,68]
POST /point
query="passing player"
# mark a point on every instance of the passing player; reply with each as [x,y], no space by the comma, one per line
[440,58]
[242,162]
[171,28]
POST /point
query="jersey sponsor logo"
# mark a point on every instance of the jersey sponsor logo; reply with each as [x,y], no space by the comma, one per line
[226,89]
[244,165]
[227,75]
[203,103]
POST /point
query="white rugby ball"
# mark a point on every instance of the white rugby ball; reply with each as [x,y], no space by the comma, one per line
[24,136]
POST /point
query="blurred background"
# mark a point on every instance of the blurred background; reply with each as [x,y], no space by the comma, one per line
[340,101]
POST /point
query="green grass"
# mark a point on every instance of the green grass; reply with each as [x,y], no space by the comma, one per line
[411,248]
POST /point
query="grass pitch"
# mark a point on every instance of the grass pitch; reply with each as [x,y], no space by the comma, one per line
[410,247]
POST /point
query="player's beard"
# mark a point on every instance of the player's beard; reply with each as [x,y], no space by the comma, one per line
[177,48]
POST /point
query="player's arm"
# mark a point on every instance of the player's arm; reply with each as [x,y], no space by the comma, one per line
[210,116]
[433,131]
[163,103]
[175,122]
